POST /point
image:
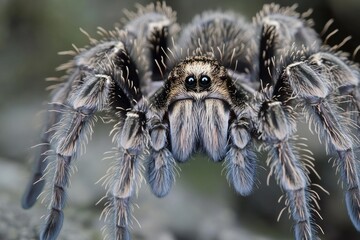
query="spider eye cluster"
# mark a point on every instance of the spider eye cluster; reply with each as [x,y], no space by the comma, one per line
[191,82]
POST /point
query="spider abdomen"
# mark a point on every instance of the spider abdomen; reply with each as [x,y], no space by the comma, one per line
[199,125]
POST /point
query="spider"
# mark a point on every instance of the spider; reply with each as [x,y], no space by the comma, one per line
[219,85]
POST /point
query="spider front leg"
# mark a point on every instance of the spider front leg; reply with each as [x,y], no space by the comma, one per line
[311,81]
[124,177]
[276,127]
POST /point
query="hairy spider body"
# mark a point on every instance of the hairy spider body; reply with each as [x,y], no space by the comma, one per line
[220,86]
[198,108]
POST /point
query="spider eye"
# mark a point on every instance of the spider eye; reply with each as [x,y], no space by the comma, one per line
[204,81]
[190,81]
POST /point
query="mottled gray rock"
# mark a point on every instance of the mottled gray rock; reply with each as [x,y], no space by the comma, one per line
[15,224]
[18,224]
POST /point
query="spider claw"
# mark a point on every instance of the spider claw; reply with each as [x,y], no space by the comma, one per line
[241,183]
[37,183]
[32,191]
[161,175]
[121,208]
[53,225]
[122,233]
[352,198]
[300,212]
[241,173]
[302,230]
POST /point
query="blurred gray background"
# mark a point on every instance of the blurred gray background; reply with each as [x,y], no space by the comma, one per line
[201,205]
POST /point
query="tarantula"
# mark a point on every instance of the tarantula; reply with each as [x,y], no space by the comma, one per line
[219,85]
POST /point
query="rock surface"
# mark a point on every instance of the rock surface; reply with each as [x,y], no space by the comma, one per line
[181,215]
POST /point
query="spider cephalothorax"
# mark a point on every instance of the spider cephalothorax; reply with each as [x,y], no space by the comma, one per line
[221,86]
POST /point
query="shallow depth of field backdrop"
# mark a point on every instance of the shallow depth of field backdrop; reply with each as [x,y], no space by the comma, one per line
[201,205]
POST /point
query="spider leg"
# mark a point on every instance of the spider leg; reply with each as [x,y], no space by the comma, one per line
[293,179]
[344,76]
[161,163]
[314,86]
[69,138]
[280,27]
[240,160]
[53,115]
[37,181]
[106,77]
[276,127]
[123,178]
[156,24]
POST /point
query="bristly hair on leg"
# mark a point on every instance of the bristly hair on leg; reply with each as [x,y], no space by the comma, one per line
[240,160]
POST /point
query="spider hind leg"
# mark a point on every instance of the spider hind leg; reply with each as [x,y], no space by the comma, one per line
[277,130]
